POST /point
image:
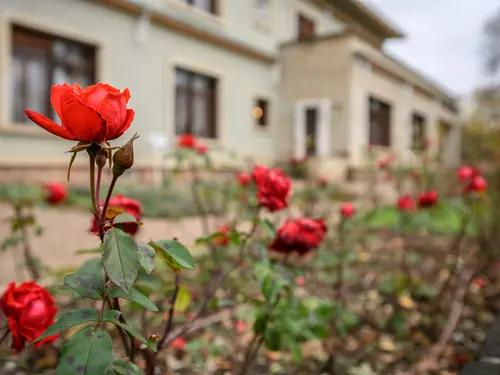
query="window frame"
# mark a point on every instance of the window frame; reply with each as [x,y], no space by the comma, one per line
[215,7]
[265,24]
[28,36]
[385,139]
[263,123]
[301,18]
[418,120]
[213,91]
[7,20]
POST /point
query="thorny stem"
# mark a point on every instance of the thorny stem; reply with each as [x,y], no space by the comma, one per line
[98,185]
[108,197]
[95,207]
[28,254]
[170,320]
[217,284]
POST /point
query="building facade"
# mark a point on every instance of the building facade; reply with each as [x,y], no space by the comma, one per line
[269,79]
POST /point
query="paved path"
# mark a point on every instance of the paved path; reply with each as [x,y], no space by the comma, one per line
[66,232]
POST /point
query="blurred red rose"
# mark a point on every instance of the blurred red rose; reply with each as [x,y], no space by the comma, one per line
[477,184]
[347,210]
[131,206]
[323,181]
[94,114]
[222,240]
[300,235]
[243,179]
[186,141]
[465,173]
[479,282]
[428,198]
[300,280]
[406,203]
[202,149]
[30,310]
[55,193]
[386,161]
[274,188]
[240,326]
[179,343]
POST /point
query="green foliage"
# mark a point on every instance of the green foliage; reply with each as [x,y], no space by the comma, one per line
[88,281]
[88,352]
[113,316]
[123,367]
[68,320]
[147,256]
[174,254]
[134,295]
[120,258]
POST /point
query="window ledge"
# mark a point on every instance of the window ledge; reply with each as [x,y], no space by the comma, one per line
[25,130]
[265,27]
[186,8]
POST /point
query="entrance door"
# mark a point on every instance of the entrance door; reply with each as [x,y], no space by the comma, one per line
[312,122]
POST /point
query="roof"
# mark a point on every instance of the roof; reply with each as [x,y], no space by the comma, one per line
[368,17]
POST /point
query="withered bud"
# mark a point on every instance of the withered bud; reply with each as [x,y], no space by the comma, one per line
[123,158]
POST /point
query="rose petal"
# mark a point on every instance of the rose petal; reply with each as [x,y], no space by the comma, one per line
[50,125]
[83,121]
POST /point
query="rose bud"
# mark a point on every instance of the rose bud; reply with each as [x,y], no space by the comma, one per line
[243,179]
[406,203]
[222,240]
[428,198]
[30,310]
[347,210]
[95,114]
[123,158]
[300,235]
[274,188]
[55,193]
[186,141]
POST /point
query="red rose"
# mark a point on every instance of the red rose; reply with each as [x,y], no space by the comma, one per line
[30,310]
[178,344]
[428,198]
[384,163]
[94,114]
[477,184]
[300,280]
[479,282]
[300,234]
[222,240]
[274,188]
[465,173]
[55,193]
[131,207]
[240,326]
[201,149]
[243,179]
[347,210]
[406,203]
[186,141]
[323,181]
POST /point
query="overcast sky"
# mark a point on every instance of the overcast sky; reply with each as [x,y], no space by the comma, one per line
[444,38]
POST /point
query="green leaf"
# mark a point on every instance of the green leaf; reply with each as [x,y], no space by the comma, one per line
[68,320]
[88,281]
[260,324]
[183,300]
[124,218]
[147,257]
[174,254]
[296,349]
[89,251]
[268,227]
[113,316]
[123,367]
[10,242]
[120,258]
[134,296]
[88,352]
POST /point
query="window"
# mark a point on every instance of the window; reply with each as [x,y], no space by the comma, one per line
[195,104]
[263,11]
[209,6]
[418,132]
[311,131]
[380,123]
[444,133]
[306,27]
[261,112]
[38,61]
